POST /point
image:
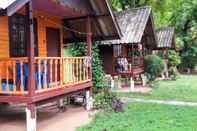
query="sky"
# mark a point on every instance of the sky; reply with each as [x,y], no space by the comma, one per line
[5,3]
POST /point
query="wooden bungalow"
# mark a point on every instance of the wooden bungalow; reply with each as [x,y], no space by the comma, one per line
[166,42]
[33,69]
[125,56]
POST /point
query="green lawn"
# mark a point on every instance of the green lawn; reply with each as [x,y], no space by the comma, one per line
[184,89]
[146,117]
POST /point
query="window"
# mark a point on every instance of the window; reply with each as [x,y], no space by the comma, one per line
[18,36]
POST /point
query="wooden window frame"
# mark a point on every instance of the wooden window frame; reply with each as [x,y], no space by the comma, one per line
[13,45]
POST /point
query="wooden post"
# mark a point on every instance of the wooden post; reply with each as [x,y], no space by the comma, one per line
[31,117]
[89,92]
[89,43]
[31,41]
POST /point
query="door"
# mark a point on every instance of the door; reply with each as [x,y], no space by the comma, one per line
[53,42]
[53,50]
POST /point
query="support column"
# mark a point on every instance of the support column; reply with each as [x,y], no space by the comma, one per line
[89,92]
[132,84]
[31,46]
[89,100]
[61,103]
[143,77]
[31,117]
[112,82]
[89,43]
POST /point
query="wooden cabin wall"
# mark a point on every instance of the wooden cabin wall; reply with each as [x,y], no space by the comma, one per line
[44,20]
[106,54]
[4,37]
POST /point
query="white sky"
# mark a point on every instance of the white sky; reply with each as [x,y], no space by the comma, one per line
[5,3]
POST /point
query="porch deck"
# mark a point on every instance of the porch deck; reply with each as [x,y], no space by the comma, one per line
[133,66]
[54,76]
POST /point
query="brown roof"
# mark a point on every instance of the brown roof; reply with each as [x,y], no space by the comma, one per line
[74,13]
[133,23]
[166,37]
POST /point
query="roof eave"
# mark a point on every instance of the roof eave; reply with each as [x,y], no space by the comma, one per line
[114,20]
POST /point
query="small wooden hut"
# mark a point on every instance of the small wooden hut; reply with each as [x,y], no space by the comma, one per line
[125,56]
[166,42]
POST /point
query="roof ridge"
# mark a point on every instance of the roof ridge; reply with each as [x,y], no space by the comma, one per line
[166,28]
[132,9]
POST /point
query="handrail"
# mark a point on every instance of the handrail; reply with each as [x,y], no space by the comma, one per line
[50,73]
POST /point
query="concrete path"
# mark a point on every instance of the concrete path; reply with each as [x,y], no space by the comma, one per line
[167,102]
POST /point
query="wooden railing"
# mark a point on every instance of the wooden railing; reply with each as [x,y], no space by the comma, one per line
[130,64]
[11,80]
[50,73]
[56,72]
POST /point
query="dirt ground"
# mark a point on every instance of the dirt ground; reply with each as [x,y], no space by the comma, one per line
[13,119]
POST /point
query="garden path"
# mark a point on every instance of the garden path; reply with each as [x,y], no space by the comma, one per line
[167,102]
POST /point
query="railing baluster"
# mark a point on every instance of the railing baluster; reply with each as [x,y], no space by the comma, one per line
[7,77]
[64,70]
[1,78]
[56,62]
[21,77]
[14,76]
[77,69]
[51,71]
[84,69]
[39,75]
[73,76]
[61,71]
[45,73]
[80,69]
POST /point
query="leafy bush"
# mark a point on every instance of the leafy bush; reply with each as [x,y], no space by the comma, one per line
[189,58]
[173,58]
[108,101]
[173,73]
[154,66]
[80,49]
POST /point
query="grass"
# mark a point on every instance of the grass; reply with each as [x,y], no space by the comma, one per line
[183,89]
[146,117]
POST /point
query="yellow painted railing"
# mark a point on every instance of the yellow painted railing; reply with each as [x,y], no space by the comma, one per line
[50,73]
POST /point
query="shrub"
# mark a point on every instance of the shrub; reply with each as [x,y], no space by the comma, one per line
[154,66]
[173,58]
[107,101]
[80,49]
[189,58]
[173,73]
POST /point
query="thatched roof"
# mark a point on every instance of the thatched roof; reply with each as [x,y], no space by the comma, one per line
[133,24]
[166,37]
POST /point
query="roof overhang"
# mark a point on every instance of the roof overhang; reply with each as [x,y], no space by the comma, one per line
[136,24]
[75,13]
[166,38]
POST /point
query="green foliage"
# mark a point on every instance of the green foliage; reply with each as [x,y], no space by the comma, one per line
[189,57]
[97,69]
[80,49]
[174,75]
[154,66]
[104,101]
[173,59]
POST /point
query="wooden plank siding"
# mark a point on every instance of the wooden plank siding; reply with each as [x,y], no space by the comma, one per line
[44,20]
[4,37]
[42,24]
